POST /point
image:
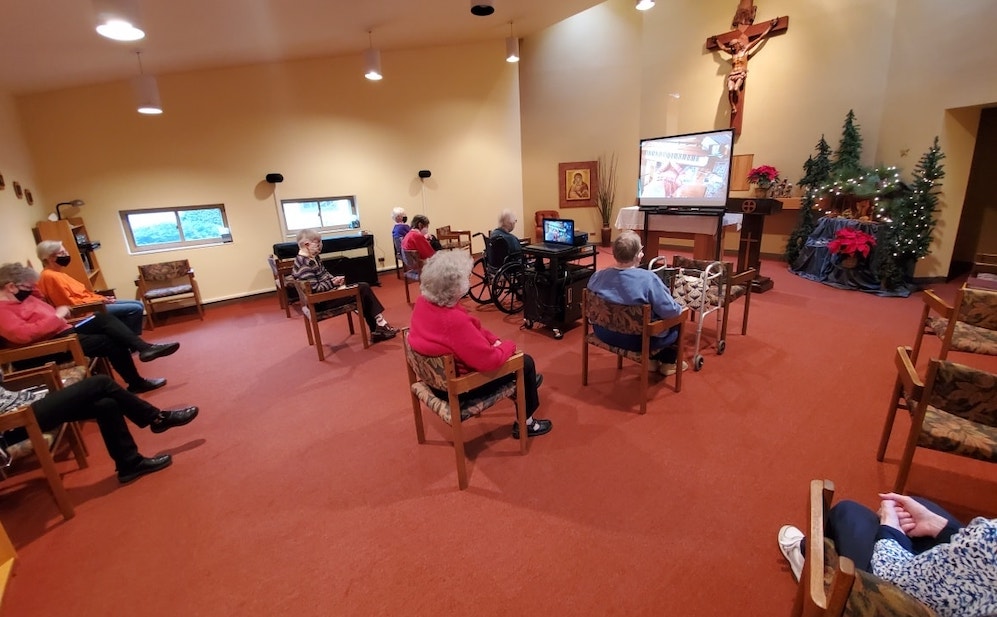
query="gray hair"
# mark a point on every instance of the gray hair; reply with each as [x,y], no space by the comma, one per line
[446,277]
[420,221]
[17,274]
[507,216]
[397,213]
[626,246]
[305,236]
[47,248]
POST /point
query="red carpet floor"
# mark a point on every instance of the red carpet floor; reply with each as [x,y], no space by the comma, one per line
[301,490]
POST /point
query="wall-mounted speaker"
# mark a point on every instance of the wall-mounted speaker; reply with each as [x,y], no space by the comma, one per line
[275,178]
[425,173]
[482,8]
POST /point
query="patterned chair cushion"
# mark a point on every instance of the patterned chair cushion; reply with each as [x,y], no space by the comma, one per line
[334,311]
[165,271]
[468,408]
[965,392]
[164,292]
[24,448]
[871,596]
[979,308]
[965,337]
[630,355]
[621,318]
[949,433]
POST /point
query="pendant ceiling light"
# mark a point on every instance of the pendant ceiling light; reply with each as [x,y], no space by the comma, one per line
[511,47]
[643,5]
[372,60]
[146,91]
[118,19]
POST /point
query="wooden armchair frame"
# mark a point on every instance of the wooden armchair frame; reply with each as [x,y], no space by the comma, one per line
[412,265]
[970,322]
[161,285]
[422,380]
[283,282]
[454,238]
[47,375]
[620,318]
[312,315]
[952,410]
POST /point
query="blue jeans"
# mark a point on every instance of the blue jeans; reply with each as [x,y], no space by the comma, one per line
[130,312]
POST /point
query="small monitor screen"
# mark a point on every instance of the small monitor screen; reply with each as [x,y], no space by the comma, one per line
[690,170]
[559,231]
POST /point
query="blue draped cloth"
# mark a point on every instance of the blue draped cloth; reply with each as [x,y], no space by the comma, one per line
[817,263]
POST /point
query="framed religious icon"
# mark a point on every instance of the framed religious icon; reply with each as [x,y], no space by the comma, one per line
[578,184]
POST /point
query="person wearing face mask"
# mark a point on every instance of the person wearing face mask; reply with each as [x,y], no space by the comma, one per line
[26,318]
[307,267]
[401,224]
[60,289]
[418,239]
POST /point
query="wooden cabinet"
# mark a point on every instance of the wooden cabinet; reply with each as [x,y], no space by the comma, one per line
[83,266]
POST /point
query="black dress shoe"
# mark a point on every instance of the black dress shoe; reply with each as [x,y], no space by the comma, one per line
[173,417]
[540,380]
[157,351]
[147,385]
[143,466]
[383,333]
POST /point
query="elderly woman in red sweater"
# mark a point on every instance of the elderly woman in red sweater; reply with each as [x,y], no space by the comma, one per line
[441,326]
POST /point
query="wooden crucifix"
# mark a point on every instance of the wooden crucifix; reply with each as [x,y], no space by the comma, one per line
[741,43]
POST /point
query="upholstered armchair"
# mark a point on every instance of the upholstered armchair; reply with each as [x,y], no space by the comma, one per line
[954,409]
[538,219]
[628,319]
[430,375]
[969,324]
[167,286]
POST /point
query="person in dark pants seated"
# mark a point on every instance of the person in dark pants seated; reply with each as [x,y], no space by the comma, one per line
[916,545]
[627,283]
[441,326]
[308,268]
[61,289]
[26,318]
[100,398]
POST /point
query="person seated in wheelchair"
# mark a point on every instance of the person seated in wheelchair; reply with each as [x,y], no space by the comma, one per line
[503,233]
[627,283]
[308,268]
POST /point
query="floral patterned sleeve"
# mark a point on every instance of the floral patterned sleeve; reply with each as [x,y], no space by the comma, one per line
[957,578]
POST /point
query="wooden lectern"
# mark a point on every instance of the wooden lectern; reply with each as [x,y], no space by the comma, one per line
[750,247]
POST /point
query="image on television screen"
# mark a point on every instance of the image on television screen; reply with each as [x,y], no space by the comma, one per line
[690,170]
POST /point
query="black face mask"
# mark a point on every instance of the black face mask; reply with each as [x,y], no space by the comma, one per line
[63,260]
[22,294]
[405,219]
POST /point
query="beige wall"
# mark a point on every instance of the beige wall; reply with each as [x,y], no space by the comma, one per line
[452,110]
[899,65]
[15,164]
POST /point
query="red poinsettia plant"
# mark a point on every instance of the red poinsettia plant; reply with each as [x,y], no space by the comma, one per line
[850,241]
[763,174]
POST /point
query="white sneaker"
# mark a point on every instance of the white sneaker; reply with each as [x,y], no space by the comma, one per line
[790,539]
[671,369]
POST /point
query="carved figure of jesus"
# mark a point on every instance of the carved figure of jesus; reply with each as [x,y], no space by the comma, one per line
[740,49]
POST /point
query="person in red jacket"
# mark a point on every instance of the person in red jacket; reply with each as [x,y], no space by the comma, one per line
[26,318]
[418,239]
[441,326]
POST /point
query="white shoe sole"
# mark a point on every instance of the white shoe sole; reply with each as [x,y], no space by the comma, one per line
[789,544]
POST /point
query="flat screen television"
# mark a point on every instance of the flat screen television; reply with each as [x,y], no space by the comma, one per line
[685,170]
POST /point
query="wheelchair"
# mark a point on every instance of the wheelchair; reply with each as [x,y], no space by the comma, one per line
[497,277]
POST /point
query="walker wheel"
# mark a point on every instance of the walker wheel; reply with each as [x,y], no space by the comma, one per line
[721,347]
[697,362]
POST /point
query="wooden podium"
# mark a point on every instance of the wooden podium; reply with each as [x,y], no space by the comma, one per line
[750,247]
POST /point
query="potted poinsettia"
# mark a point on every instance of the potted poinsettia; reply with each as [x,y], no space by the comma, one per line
[849,243]
[763,176]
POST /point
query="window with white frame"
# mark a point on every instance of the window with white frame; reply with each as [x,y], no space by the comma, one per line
[167,228]
[323,214]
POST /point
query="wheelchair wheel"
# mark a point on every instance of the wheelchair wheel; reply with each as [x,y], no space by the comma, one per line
[507,288]
[480,290]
